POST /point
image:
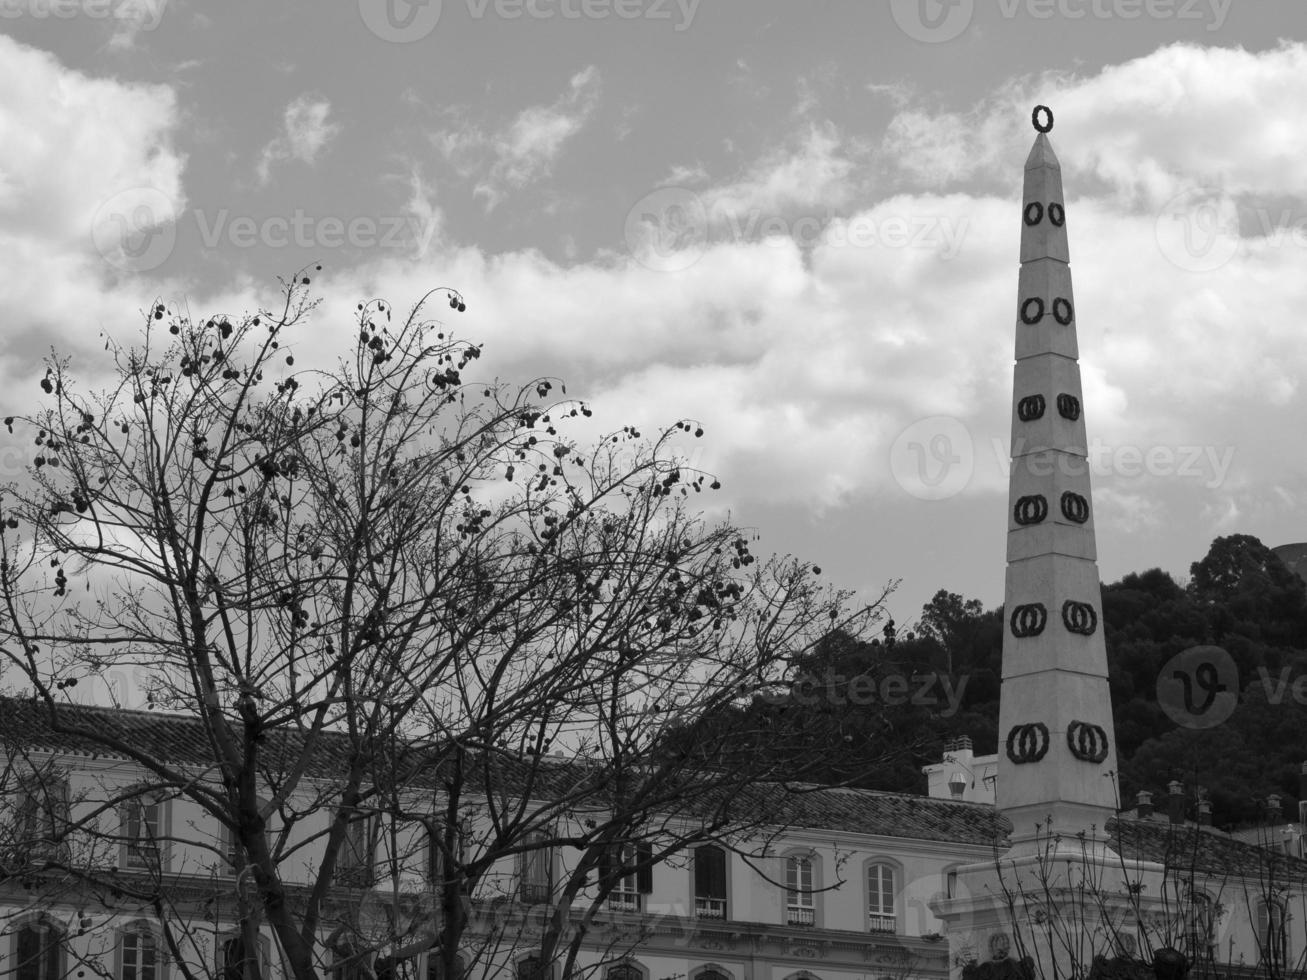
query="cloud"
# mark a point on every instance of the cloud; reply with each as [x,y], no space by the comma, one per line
[79,151]
[306,132]
[526,149]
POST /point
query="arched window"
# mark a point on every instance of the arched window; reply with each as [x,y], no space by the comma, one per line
[882,916]
[624,971]
[710,973]
[801,890]
[395,968]
[38,951]
[710,882]
[139,953]
[231,958]
[532,968]
[436,967]
[1272,935]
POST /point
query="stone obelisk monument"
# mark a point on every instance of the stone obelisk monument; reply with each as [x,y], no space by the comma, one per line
[1056,755]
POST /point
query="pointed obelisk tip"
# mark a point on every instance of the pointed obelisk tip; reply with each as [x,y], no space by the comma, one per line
[1041,154]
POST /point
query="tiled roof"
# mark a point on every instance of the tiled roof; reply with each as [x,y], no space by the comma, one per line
[180,739]
[1204,849]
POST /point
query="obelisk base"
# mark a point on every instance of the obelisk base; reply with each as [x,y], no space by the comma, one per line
[1048,913]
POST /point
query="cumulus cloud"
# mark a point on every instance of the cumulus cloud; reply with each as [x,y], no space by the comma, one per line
[81,154]
[306,131]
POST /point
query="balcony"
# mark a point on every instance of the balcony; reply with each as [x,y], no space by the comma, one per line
[624,901]
[799,915]
[533,893]
[881,924]
[709,908]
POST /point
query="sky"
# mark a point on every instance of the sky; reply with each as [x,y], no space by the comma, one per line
[795,223]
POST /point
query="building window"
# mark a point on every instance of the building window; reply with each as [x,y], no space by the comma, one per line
[624,971]
[144,828]
[436,967]
[534,869]
[38,952]
[880,899]
[395,968]
[138,954]
[1201,931]
[633,866]
[347,964]
[1272,936]
[228,848]
[356,860]
[711,974]
[800,897]
[231,958]
[41,818]
[532,968]
[710,882]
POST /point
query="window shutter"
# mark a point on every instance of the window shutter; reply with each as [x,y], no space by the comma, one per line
[28,954]
[53,957]
[605,865]
[644,876]
[435,851]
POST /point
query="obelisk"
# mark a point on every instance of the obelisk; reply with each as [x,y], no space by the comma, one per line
[1057,758]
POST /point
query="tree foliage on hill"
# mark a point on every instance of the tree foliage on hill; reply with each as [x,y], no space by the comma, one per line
[381,554]
[1240,597]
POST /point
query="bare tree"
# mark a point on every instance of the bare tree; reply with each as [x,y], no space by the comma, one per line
[387,595]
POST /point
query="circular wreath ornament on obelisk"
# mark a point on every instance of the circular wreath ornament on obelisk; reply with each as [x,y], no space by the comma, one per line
[1044,124]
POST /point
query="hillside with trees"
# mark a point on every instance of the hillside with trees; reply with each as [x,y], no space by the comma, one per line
[851,696]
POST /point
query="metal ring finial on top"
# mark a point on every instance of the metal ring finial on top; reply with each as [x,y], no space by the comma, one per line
[1034,118]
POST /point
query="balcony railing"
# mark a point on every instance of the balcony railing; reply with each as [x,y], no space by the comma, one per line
[624,901]
[710,908]
[799,915]
[881,923]
[533,893]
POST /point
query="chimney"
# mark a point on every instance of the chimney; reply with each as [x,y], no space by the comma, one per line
[1144,804]
[1175,801]
[1205,813]
[1273,814]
